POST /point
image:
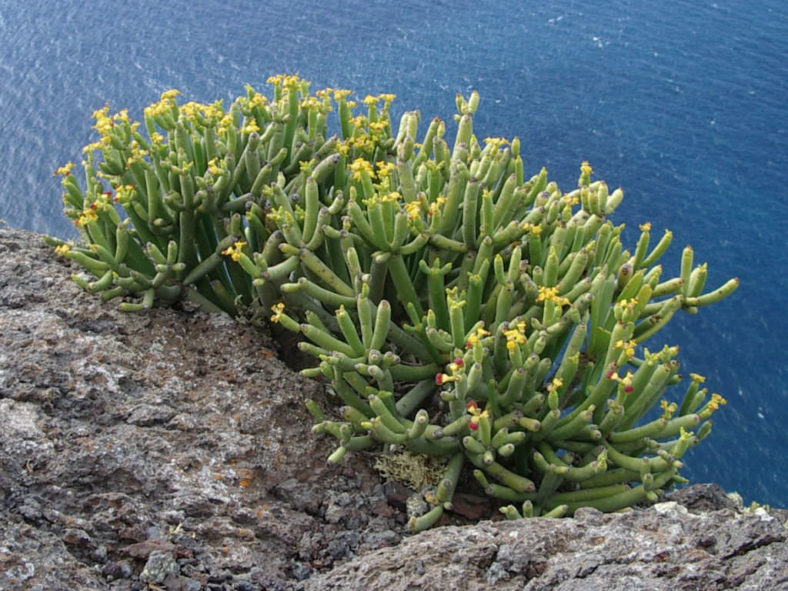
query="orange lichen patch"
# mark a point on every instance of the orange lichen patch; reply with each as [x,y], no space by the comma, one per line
[246,477]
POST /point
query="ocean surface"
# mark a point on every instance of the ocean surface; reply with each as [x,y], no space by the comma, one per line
[684,104]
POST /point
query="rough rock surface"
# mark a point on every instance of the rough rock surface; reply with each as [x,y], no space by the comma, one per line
[171,450]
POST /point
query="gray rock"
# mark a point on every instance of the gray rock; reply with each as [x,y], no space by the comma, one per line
[173,448]
[663,547]
[160,566]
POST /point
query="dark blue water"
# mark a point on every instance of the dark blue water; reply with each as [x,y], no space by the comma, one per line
[682,103]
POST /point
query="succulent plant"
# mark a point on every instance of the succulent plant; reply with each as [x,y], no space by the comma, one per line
[457,307]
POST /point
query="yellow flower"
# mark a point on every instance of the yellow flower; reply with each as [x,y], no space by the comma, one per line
[169,95]
[515,336]
[292,82]
[250,127]
[390,197]
[712,405]
[234,251]
[64,170]
[476,337]
[311,103]
[585,168]
[436,205]
[496,142]
[667,409]
[385,168]
[472,409]
[340,94]
[213,166]
[547,294]
[92,147]
[413,209]
[717,401]
[377,127]
[257,100]
[278,309]
[370,101]
[124,193]
[63,249]
[697,378]
[387,98]
[555,384]
[628,346]
[88,216]
[360,167]
[645,227]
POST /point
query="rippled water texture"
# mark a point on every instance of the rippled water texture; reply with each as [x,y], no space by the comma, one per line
[683,104]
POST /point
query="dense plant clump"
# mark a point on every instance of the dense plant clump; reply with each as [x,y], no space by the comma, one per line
[458,308]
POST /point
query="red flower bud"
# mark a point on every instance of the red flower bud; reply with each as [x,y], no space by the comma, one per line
[473,426]
[458,361]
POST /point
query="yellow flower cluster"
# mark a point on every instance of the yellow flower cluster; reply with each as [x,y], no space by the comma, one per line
[165,104]
[625,383]
[413,209]
[234,251]
[668,409]
[64,170]
[137,154]
[341,94]
[250,127]
[476,337]
[277,309]
[515,336]
[63,249]
[361,167]
[87,217]
[104,123]
[555,384]
[215,166]
[311,103]
[585,168]
[476,415]
[286,80]
[124,193]
[496,142]
[627,346]
[550,294]
[645,227]
[436,205]
[385,169]
[212,113]
[532,228]
[715,402]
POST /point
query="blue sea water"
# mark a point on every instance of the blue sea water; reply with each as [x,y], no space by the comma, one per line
[681,103]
